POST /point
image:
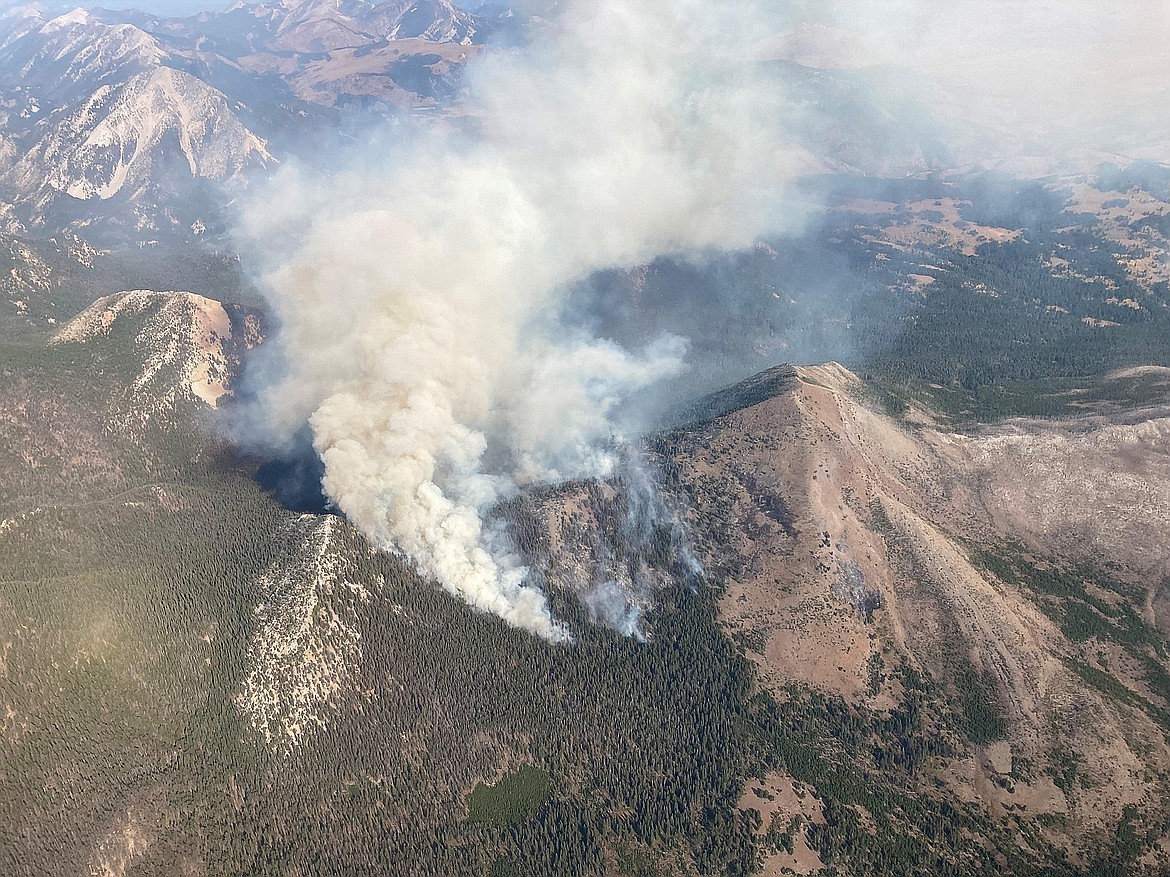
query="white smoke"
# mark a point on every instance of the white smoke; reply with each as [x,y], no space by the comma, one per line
[1057,74]
[419,302]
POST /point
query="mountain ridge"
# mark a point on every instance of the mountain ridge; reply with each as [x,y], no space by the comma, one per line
[848,557]
[849,539]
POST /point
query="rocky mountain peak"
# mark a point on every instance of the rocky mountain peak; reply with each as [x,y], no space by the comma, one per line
[76,16]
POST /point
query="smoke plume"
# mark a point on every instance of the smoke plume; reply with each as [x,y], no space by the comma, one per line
[421,296]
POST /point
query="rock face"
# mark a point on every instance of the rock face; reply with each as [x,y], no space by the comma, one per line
[131,136]
[306,651]
[68,57]
[186,347]
[1102,490]
[139,111]
[329,25]
[103,112]
[850,542]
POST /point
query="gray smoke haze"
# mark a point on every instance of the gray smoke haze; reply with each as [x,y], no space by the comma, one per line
[155,7]
[420,296]
[1045,75]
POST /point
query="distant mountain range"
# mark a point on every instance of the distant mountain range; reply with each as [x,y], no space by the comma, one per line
[124,126]
[130,108]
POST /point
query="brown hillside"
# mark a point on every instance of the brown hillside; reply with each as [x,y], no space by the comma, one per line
[850,541]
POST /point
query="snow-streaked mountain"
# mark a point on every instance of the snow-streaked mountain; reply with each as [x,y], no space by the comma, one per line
[94,109]
[129,135]
[312,26]
[436,20]
[128,109]
[316,25]
[71,56]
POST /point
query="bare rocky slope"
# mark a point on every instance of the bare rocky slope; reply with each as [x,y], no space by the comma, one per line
[850,542]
